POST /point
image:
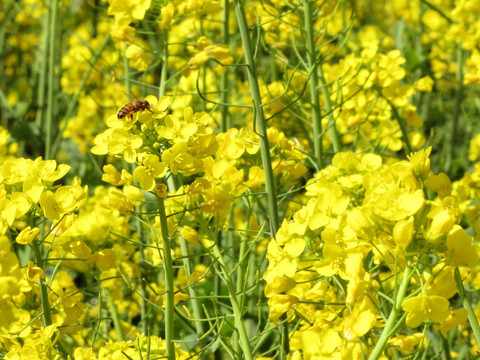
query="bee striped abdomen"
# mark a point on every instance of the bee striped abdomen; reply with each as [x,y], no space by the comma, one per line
[131,108]
[127,110]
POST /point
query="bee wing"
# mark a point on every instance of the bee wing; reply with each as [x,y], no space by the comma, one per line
[133,97]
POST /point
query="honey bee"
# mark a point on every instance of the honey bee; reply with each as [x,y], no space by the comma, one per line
[131,108]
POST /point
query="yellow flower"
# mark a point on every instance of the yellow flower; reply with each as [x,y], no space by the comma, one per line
[190,235]
[399,203]
[280,304]
[474,148]
[421,162]
[116,200]
[104,259]
[402,234]
[361,320]
[424,307]
[320,341]
[27,235]
[84,354]
[167,16]
[55,205]
[123,143]
[406,343]
[132,9]
[176,130]
[441,224]
[461,251]
[33,273]
[161,190]
[424,84]
[152,168]
[443,283]
[327,208]
[113,177]
[139,57]
[440,183]
[180,160]
[417,139]
[48,170]
[455,318]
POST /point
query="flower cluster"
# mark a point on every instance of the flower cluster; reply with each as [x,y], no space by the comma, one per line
[307,165]
[362,215]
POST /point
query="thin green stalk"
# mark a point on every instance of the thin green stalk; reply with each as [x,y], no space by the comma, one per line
[394,313]
[143,291]
[440,12]
[237,311]
[73,103]
[318,79]
[312,63]
[8,16]
[47,314]
[167,256]
[332,127]
[42,59]
[197,312]
[169,289]
[100,312]
[259,117]
[226,124]
[472,318]
[456,110]
[242,267]
[164,72]
[126,69]
[262,133]
[401,124]
[53,4]
[115,318]
[446,349]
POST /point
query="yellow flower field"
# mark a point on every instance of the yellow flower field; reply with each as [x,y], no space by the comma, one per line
[210,179]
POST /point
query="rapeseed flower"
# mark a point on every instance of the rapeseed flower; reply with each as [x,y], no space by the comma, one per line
[423,307]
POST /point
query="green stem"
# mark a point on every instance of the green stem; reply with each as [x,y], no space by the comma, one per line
[126,69]
[401,124]
[393,317]
[259,117]
[472,318]
[164,71]
[51,79]
[42,59]
[169,289]
[197,312]
[318,79]
[332,128]
[237,311]
[242,266]
[312,63]
[224,90]
[446,349]
[141,250]
[47,314]
[73,103]
[456,110]
[115,318]
[440,12]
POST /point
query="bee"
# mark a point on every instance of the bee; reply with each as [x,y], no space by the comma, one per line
[136,106]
